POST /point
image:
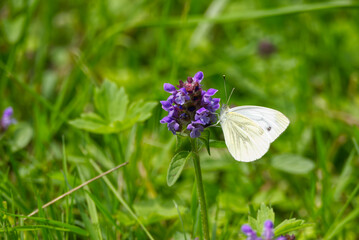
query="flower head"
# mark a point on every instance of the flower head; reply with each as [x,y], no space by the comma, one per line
[190,108]
[268,232]
[7,119]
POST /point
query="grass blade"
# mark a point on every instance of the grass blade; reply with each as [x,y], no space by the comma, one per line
[92,209]
[122,201]
[256,14]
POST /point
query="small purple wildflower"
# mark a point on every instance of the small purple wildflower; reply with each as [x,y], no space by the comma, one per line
[190,108]
[207,95]
[169,88]
[196,128]
[251,234]
[198,77]
[266,48]
[181,96]
[204,116]
[7,119]
[268,232]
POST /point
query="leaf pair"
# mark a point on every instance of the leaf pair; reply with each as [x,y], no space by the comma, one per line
[267,213]
[113,112]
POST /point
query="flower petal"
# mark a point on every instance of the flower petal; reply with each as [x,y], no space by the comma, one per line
[8,112]
[268,224]
[166,119]
[6,119]
[198,77]
[173,126]
[211,92]
[268,232]
[169,88]
[201,110]
[246,229]
[166,105]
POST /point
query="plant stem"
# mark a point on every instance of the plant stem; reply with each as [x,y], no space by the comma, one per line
[200,190]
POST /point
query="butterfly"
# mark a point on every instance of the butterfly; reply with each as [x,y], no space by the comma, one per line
[249,130]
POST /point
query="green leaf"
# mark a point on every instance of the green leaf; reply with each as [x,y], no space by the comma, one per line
[293,164]
[140,111]
[264,213]
[205,140]
[181,220]
[22,136]
[111,102]
[217,144]
[181,236]
[29,228]
[338,226]
[47,222]
[152,211]
[13,28]
[289,225]
[176,166]
[93,123]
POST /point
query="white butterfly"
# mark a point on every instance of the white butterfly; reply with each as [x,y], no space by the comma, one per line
[249,130]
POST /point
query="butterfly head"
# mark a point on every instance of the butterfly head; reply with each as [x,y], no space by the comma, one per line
[223,113]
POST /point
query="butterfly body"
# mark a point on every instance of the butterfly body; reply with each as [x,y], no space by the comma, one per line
[249,130]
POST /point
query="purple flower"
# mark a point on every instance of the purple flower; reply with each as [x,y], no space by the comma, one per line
[203,115]
[181,96]
[195,128]
[198,77]
[207,96]
[213,105]
[173,126]
[166,119]
[166,105]
[190,108]
[174,112]
[171,98]
[169,88]
[251,234]
[266,48]
[268,232]
[7,119]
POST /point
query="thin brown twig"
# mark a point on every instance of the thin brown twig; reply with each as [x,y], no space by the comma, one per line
[76,188]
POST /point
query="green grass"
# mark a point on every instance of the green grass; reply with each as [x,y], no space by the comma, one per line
[53,54]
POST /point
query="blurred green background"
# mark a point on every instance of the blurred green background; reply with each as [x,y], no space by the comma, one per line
[299,57]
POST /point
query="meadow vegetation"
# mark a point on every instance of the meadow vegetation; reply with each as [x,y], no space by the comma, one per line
[85,78]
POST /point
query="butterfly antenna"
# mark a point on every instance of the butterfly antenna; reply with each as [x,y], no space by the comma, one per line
[230,95]
[224,83]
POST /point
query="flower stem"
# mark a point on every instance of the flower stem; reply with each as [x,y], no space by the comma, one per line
[200,190]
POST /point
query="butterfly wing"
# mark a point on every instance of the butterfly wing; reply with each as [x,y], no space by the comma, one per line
[271,121]
[245,139]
